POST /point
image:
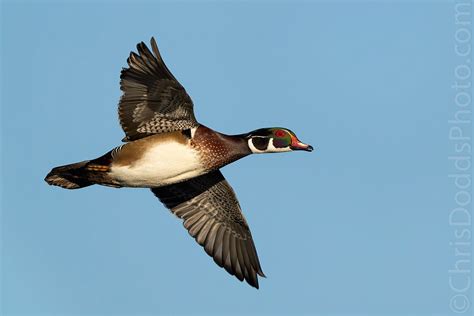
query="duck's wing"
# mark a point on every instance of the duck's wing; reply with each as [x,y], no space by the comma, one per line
[153,101]
[212,215]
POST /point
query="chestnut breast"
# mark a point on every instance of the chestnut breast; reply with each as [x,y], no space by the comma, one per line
[217,150]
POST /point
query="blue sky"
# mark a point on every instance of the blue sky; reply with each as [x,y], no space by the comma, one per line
[359,226]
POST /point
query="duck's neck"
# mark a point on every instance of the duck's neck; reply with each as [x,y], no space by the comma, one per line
[218,150]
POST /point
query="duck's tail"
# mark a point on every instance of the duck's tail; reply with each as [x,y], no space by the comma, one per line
[73,176]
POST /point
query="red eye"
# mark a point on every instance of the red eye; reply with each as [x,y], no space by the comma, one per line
[280,133]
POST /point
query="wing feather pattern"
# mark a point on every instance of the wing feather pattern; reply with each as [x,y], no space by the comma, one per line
[153,101]
[212,215]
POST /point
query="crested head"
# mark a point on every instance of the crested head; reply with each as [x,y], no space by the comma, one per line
[274,140]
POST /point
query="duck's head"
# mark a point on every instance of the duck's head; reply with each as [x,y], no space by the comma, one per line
[274,140]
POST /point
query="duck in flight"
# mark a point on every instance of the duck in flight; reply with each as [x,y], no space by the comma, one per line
[168,151]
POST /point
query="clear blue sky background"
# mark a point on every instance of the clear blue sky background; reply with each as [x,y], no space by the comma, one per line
[358,226]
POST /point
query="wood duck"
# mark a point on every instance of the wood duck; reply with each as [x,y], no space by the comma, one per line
[168,151]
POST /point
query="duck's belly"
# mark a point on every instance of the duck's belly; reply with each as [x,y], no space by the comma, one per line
[162,164]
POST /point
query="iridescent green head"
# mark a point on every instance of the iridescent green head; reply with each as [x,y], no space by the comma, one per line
[275,139]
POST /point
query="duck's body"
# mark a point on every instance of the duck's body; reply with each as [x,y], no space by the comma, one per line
[169,158]
[162,160]
[168,151]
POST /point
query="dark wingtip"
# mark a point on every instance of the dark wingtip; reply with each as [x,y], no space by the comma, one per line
[154,47]
[253,284]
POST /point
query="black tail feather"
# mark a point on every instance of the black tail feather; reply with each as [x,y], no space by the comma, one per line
[73,176]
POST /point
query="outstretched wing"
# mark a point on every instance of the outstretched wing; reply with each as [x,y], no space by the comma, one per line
[212,215]
[153,101]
